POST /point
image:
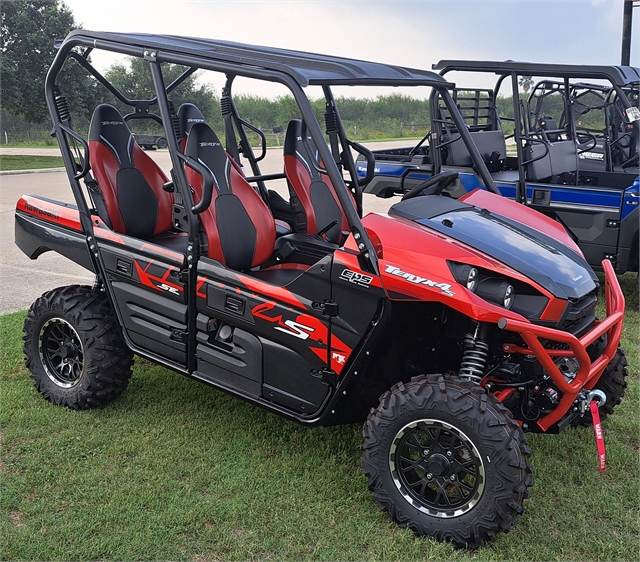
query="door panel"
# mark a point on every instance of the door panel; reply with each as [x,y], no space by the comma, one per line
[149,295]
[287,320]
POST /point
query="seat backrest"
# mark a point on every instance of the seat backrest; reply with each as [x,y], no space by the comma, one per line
[561,158]
[548,123]
[314,201]
[488,143]
[239,228]
[188,115]
[130,181]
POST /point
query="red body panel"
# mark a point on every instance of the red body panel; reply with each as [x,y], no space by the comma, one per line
[427,275]
[58,214]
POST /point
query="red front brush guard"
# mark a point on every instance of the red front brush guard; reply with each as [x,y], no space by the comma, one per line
[589,372]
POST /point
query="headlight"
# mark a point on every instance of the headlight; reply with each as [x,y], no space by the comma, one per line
[498,291]
[466,275]
[472,279]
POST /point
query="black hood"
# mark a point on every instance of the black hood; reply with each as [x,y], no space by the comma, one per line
[551,264]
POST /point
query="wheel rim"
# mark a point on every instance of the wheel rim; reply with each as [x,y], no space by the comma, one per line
[61,352]
[437,468]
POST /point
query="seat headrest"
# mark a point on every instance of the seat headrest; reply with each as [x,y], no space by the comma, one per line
[188,115]
[109,128]
[292,137]
[304,151]
[547,123]
[204,145]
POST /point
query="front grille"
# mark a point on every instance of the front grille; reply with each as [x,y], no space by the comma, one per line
[580,315]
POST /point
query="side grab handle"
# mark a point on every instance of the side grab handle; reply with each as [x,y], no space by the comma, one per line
[207,183]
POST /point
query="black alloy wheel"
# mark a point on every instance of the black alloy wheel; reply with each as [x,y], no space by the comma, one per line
[74,349]
[437,468]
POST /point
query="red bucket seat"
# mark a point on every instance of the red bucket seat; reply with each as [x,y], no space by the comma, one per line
[239,228]
[130,181]
[313,199]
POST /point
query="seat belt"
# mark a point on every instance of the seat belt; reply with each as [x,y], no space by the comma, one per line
[229,132]
[96,196]
[331,124]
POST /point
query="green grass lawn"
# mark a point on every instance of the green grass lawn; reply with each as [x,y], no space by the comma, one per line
[21,162]
[175,470]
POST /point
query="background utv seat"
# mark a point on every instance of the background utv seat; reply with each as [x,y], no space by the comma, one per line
[130,182]
[314,201]
[239,227]
[554,159]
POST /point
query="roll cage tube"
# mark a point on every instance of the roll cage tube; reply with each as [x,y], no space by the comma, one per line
[232,119]
[476,158]
[180,177]
[521,190]
[65,150]
[347,157]
[80,59]
[84,213]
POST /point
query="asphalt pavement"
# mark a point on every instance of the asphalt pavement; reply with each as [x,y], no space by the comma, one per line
[23,280]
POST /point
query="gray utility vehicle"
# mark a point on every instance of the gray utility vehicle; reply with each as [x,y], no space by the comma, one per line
[150,142]
[448,327]
[568,149]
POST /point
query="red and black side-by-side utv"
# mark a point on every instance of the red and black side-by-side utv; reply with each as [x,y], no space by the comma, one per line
[450,327]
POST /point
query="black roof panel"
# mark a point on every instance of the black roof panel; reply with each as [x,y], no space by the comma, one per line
[619,75]
[305,68]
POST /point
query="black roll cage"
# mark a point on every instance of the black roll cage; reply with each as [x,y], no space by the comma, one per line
[619,78]
[293,69]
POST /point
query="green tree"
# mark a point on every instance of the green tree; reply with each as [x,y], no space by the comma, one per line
[28,29]
[133,78]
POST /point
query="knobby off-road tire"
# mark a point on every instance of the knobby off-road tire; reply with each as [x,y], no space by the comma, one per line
[612,382]
[445,459]
[74,350]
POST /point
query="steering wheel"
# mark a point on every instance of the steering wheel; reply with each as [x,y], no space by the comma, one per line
[433,186]
[633,161]
[590,138]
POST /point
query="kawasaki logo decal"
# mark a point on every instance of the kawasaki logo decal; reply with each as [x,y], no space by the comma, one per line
[38,211]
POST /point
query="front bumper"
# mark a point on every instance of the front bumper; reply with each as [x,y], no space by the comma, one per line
[589,371]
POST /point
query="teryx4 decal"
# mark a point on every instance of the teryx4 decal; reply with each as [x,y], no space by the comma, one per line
[295,329]
[445,288]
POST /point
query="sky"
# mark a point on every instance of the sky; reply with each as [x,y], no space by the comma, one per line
[414,33]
